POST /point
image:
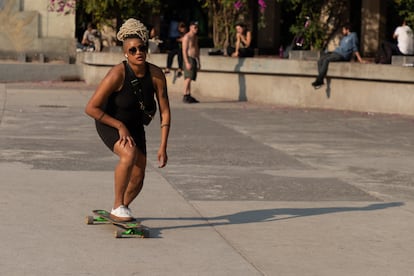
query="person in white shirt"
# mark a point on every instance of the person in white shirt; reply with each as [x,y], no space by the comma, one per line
[404,35]
[404,46]
[91,40]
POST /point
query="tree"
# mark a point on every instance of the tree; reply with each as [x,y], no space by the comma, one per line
[226,13]
[326,18]
[104,11]
[223,14]
[406,10]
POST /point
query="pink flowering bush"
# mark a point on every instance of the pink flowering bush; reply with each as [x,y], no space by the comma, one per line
[62,6]
[239,4]
[226,13]
[262,8]
[262,5]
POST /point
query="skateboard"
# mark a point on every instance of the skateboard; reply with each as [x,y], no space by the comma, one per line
[128,229]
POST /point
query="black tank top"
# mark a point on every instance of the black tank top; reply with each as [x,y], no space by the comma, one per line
[123,105]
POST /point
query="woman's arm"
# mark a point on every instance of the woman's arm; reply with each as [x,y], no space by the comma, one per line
[85,40]
[113,81]
[161,94]
[110,83]
[237,46]
[247,39]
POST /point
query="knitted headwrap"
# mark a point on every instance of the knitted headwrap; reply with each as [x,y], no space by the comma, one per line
[132,28]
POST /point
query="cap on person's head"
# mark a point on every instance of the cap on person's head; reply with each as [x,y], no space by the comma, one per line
[195,23]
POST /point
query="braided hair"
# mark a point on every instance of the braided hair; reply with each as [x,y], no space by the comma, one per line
[133,28]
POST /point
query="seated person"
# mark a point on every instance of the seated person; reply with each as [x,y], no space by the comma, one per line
[243,42]
[153,41]
[91,38]
[348,46]
[405,40]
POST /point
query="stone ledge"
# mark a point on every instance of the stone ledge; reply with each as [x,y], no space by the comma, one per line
[268,66]
[304,55]
[349,86]
[23,72]
[36,57]
[402,60]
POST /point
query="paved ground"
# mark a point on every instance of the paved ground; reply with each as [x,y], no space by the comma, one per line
[249,190]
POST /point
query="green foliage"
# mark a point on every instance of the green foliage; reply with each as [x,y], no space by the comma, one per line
[406,10]
[313,33]
[103,11]
[224,15]
[326,15]
[326,18]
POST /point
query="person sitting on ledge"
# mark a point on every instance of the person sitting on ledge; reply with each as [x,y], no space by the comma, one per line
[91,40]
[348,46]
[243,42]
[404,46]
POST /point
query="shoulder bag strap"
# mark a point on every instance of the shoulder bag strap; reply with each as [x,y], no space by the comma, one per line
[136,85]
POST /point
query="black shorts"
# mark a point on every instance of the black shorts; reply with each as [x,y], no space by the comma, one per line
[110,136]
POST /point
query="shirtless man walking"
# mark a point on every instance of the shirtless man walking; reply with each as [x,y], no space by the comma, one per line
[191,57]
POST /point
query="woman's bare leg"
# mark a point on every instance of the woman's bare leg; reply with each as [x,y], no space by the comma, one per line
[136,180]
[127,156]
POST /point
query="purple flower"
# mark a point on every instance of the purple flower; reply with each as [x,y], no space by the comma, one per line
[62,6]
[238,4]
[262,4]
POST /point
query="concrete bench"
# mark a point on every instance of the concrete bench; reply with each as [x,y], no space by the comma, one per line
[349,86]
[304,55]
[402,60]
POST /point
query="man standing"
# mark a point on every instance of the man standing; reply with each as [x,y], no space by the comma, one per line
[348,46]
[191,57]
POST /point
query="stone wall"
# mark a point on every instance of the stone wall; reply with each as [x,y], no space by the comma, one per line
[29,30]
[352,86]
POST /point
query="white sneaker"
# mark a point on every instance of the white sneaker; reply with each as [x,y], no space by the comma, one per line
[121,213]
[129,212]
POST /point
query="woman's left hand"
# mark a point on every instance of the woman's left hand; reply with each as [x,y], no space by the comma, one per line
[162,158]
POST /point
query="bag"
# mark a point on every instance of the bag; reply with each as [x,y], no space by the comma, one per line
[215,52]
[146,114]
[384,54]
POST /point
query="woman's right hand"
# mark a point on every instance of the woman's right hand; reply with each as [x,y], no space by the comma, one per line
[125,137]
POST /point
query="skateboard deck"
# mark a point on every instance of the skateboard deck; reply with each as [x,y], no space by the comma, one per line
[131,228]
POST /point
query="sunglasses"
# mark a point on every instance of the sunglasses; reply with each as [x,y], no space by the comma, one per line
[142,49]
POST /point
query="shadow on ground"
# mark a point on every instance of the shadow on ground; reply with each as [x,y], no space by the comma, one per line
[265,215]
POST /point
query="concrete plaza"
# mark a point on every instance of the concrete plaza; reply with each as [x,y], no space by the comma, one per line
[249,190]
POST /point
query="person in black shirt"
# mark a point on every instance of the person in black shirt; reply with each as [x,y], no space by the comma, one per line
[119,123]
